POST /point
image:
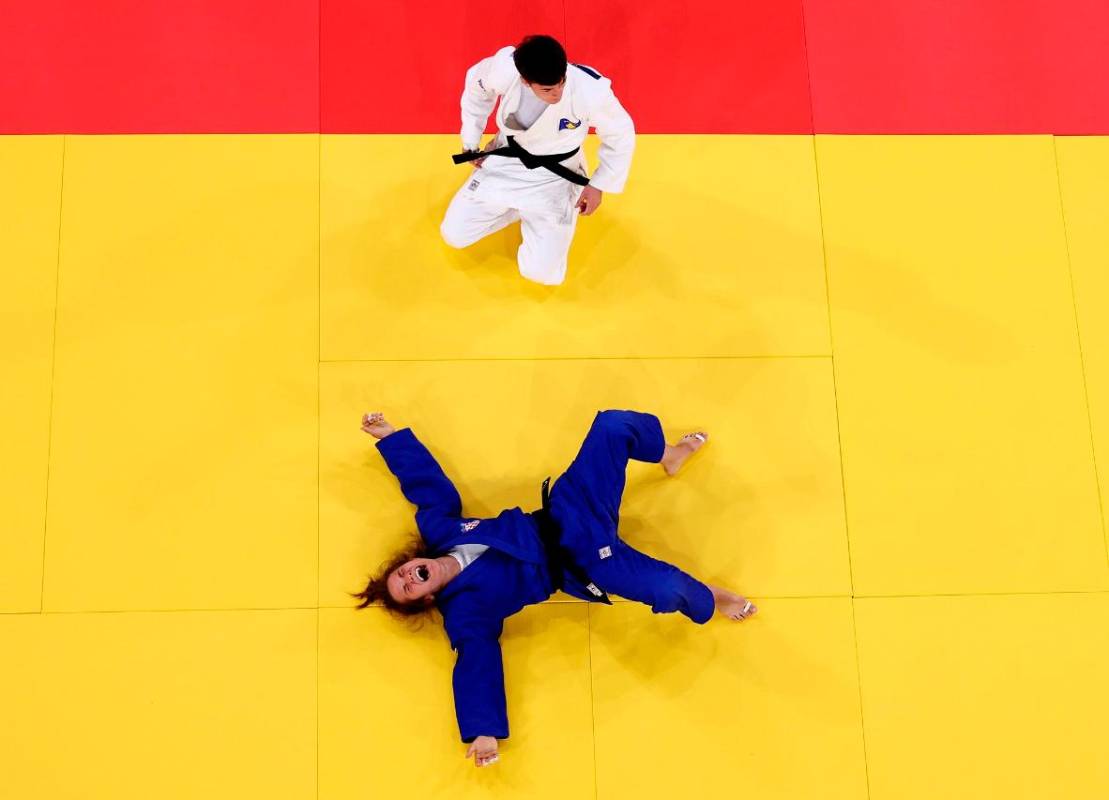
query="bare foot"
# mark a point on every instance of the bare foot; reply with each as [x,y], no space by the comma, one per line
[676,454]
[732,605]
[375,425]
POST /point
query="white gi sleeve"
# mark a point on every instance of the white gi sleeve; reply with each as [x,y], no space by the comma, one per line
[485,80]
[617,132]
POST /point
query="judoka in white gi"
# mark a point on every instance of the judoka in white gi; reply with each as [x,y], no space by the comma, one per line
[547,107]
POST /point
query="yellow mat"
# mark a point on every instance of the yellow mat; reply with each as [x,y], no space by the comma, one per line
[765,708]
[30,196]
[387,723]
[760,507]
[923,412]
[971,697]
[1084,183]
[713,250]
[173,705]
[183,468]
[966,443]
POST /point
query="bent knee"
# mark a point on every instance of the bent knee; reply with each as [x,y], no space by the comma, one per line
[610,420]
[454,235]
[545,270]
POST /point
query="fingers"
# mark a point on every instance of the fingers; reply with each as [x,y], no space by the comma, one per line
[587,205]
[484,759]
[749,610]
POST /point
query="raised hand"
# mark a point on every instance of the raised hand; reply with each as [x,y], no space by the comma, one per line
[375,425]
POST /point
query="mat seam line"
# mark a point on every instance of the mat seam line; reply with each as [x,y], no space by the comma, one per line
[592,695]
[859,678]
[842,464]
[616,601]
[832,359]
[53,377]
[1081,351]
[808,68]
[319,347]
[1061,593]
[571,358]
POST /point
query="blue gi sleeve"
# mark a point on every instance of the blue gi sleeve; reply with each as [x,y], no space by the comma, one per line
[438,506]
[479,699]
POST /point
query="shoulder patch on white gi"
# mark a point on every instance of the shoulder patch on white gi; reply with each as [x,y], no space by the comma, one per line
[469,526]
[604,552]
[473,185]
[588,94]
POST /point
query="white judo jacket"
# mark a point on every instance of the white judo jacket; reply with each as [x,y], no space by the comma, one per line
[587,102]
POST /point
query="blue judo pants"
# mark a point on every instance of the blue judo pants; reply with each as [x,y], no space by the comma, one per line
[585,501]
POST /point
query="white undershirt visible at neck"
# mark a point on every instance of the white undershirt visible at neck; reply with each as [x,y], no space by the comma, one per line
[466,554]
[531,108]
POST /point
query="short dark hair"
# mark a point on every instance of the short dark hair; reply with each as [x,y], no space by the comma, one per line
[377,589]
[540,60]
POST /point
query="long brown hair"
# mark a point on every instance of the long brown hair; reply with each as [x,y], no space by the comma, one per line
[377,591]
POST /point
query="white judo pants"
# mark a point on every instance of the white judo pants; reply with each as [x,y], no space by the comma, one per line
[547,231]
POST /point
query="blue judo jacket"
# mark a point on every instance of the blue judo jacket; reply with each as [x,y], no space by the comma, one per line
[512,574]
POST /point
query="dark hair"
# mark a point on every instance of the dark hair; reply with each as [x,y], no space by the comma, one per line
[378,591]
[540,60]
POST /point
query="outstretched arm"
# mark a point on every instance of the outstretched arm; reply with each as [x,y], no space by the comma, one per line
[438,506]
[479,699]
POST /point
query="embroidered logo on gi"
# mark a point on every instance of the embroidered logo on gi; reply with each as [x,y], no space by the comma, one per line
[568,124]
[469,526]
[472,186]
[592,587]
[605,552]
[482,85]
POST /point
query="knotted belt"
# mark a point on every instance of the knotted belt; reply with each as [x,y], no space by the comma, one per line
[553,162]
[557,556]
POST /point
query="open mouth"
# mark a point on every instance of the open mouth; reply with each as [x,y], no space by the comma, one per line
[422,573]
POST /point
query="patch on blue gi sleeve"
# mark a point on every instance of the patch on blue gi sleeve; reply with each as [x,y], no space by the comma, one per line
[604,552]
[469,526]
[568,125]
[589,71]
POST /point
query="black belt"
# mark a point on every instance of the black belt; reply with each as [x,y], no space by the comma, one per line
[557,556]
[552,162]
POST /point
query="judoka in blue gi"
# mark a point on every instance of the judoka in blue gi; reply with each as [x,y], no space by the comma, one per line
[477,572]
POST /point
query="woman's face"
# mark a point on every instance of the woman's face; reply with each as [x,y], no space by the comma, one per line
[416,580]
